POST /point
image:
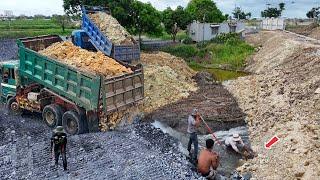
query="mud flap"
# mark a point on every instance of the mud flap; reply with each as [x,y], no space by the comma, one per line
[93,122]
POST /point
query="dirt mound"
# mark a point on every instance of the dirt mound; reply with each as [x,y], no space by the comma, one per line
[282,100]
[163,86]
[85,60]
[276,48]
[165,59]
[312,30]
[167,80]
[112,28]
[204,78]
[315,33]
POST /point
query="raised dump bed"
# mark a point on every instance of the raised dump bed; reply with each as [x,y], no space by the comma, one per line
[76,99]
[125,53]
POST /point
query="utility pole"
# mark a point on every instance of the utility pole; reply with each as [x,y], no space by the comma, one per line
[204,20]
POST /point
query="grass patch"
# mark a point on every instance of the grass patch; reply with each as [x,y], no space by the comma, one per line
[31,27]
[183,50]
[226,52]
[165,36]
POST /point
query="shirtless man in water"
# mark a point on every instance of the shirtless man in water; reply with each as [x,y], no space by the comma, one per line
[208,161]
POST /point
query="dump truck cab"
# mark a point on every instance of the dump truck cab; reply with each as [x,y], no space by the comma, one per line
[81,39]
[8,79]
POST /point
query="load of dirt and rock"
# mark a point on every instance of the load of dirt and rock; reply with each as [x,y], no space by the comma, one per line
[112,28]
[85,60]
[282,98]
[167,80]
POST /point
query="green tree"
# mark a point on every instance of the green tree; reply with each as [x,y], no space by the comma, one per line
[135,16]
[174,20]
[239,14]
[146,19]
[205,11]
[62,20]
[120,8]
[273,12]
[314,13]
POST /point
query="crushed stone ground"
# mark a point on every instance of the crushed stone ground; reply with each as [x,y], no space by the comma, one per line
[282,98]
[139,151]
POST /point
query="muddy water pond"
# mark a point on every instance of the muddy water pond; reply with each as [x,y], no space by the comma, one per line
[220,74]
[228,159]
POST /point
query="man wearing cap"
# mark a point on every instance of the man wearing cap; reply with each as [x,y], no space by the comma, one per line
[193,124]
[58,145]
[235,143]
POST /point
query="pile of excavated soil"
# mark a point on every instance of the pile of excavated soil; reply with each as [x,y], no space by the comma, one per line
[315,33]
[85,60]
[112,28]
[165,59]
[277,47]
[167,80]
[312,30]
[282,99]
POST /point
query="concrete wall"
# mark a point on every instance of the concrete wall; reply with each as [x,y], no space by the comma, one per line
[273,24]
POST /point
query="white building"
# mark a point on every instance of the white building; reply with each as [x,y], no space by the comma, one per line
[206,31]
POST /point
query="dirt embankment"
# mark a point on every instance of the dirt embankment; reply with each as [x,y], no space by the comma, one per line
[172,90]
[312,30]
[167,80]
[282,98]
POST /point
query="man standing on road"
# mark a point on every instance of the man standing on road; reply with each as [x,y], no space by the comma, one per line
[193,124]
[58,145]
[208,161]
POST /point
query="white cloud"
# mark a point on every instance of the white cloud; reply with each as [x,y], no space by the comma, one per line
[32,7]
[47,7]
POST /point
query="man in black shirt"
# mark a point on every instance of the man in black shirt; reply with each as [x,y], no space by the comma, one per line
[58,145]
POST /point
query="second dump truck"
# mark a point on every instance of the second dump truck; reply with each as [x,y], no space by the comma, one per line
[65,95]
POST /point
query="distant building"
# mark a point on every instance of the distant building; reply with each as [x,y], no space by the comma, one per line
[207,31]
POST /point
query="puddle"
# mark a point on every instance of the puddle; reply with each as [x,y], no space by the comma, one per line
[229,160]
[220,74]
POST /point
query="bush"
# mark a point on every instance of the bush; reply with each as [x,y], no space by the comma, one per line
[184,51]
[187,40]
[228,38]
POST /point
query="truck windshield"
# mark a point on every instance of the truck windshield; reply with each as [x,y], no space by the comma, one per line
[12,74]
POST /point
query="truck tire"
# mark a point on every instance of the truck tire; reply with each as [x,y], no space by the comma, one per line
[52,115]
[72,123]
[13,106]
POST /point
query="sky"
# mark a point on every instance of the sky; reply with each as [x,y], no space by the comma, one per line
[295,8]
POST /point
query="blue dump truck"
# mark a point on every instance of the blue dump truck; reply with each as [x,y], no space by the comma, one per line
[91,37]
[65,95]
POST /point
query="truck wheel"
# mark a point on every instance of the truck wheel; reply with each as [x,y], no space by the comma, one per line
[72,123]
[13,106]
[52,115]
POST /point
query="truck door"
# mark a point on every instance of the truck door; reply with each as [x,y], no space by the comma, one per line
[8,83]
[0,84]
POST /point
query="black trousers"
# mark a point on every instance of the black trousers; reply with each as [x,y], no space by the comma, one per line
[57,152]
[193,139]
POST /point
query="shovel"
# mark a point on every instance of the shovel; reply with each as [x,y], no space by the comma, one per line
[211,132]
